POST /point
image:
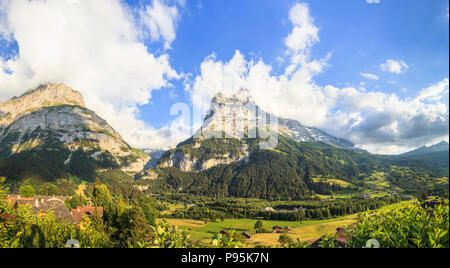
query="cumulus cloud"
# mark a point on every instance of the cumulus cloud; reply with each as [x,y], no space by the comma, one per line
[4,30]
[161,19]
[376,121]
[435,92]
[369,76]
[94,47]
[297,94]
[394,66]
[294,90]
[305,33]
[303,36]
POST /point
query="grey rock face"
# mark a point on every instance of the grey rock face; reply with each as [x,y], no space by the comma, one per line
[240,113]
[57,113]
[34,99]
[155,155]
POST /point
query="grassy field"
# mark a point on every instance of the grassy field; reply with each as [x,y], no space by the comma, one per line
[172,208]
[305,230]
[305,233]
[333,181]
[397,205]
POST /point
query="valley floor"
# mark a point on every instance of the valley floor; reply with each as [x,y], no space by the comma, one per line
[307,231]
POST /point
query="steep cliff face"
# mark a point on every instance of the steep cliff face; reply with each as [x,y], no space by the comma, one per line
[231,120]
[234,115]
[55,114]
[187,162]
[35,99]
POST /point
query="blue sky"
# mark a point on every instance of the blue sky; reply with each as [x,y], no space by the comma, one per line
[364,50]
[359,36]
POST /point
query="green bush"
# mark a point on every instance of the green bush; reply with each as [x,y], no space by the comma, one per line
[27,191]
[415,226]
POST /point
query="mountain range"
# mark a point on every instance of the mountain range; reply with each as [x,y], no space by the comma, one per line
[435,156]
[440,147]
[48,133]
[306,161]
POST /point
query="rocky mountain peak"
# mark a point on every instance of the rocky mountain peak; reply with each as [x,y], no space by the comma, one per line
[230,113]
[40,97]
[243,97]
[54,93]
[234,113]
[56,114]
[230,120]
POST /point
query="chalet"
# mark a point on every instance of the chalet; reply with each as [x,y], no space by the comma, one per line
[287,229]
[223,232]
[341,238]
[12,198]
[247,235]
[277,229]
[43,205]
[79,212]
[367,196]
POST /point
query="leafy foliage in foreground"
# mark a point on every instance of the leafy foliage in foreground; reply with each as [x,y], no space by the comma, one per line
[416,226]
[410,226]
[21,228]
[166,236]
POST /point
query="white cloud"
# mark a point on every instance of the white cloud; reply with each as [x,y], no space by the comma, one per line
[92,46]
[385,119]
[161,19]
[369,76]
[291,90]
[95,48]
[394,66]
[392,82]
[435,92]
[373,1]
[304,33]
[303,36]
[373,120]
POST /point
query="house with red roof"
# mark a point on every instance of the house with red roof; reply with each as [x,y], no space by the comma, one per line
[79,212]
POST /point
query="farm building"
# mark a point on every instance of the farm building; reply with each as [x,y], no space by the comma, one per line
[277,229]
[43,205]
[247,235]
[79,212]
